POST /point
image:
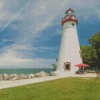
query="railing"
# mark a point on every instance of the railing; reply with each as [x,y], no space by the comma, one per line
[69,17]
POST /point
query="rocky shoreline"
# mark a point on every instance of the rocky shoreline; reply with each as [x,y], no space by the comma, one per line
[22,76]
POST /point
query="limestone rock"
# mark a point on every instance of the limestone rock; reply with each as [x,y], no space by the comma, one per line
[30,76]
[15,78]
[37,75]
[22,76]
[53,74]
[1,77]
[5,76]
[10,77]
[13,75]
[41,74]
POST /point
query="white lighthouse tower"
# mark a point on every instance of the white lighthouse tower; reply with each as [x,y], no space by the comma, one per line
[69,54]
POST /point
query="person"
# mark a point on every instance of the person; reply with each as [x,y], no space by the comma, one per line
[96,69]
[81,70]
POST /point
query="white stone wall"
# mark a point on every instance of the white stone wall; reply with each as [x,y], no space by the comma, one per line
[69,49]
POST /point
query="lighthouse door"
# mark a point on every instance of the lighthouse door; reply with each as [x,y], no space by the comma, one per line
[67,66]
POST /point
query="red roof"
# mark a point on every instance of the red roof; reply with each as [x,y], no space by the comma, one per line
[69,10]
[85,65]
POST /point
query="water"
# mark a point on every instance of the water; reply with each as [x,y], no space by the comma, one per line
[24,71]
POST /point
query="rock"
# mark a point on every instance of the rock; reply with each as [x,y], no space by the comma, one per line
[30,76]
[22,76]
[15,78]
[10,77]
[13,75]
[5,76]
[41,74]
[37,75]
[53,74]
[1,77]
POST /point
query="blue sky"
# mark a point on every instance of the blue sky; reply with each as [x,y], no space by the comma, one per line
[31,29]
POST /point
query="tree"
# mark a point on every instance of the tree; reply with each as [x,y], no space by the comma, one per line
[54,65]
[89,55]
[86,54]
[95,43]
[56,59]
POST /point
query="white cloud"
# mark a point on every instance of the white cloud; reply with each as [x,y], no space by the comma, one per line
[14,27]
[5,13]
[35,18]
[83,3]
[6,40]
[11,57]
[22,51]
[15,15]
[28,47]
[11,62]
[42,13]
[58,32]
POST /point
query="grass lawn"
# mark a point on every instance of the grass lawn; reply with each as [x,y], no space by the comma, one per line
[60,89]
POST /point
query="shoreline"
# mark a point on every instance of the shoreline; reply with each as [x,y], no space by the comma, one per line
[9,83]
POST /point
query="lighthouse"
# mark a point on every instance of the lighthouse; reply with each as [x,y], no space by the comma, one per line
[69,54]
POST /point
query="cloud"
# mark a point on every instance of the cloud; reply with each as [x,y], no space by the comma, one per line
[16,15]
[22,51]
[58,32]
[29,47]
[36,17]
[19,56]
[6,40]
[41,14]
[11,62]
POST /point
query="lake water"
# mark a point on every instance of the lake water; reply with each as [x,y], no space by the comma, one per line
[24,71]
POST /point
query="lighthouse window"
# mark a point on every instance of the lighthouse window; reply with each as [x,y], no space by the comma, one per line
[73,24]
[66,14]
[70,12]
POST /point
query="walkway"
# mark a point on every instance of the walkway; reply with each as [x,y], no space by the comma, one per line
[8,84]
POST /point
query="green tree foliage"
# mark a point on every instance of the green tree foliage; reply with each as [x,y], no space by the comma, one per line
[54,65]
[89,55]
[86,54]
[95,43]
[56,59]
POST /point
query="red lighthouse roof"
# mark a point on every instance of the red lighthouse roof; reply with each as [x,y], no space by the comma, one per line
[69,10]
[69,16]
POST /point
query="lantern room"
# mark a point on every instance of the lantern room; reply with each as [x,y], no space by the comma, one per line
[69,16]
[69,12]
